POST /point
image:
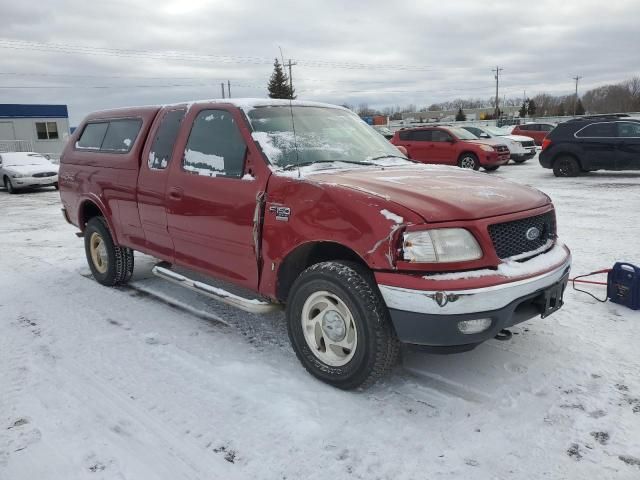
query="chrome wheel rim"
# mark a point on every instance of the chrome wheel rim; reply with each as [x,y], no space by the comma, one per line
[467,162]
[98,251]
[329,328]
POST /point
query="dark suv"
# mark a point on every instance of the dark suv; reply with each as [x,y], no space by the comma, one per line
[592,143]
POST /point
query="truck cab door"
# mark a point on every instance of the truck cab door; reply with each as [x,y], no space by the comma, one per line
[628,156]
[152,182]
[211,195]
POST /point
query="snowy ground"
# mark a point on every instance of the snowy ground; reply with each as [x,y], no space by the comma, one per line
[113,383]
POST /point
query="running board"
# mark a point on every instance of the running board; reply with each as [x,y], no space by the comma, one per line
[246,304]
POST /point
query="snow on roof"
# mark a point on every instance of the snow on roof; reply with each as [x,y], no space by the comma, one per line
[246,104]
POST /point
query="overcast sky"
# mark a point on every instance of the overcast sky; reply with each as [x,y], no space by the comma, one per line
[379,52]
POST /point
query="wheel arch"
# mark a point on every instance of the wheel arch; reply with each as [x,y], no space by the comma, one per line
[306,255]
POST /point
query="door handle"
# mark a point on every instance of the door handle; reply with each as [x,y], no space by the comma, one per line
[175,193]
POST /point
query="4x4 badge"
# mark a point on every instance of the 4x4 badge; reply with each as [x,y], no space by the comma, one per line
[282,213]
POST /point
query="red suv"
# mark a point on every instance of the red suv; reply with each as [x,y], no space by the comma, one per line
[537,131]
[451,146]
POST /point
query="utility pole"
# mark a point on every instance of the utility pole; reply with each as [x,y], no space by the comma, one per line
[289,65]
[575,100]
[497,76]
[229,88]
[222,87]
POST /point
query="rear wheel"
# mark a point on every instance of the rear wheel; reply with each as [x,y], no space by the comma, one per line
[566,167]
[468,160]
[339,325]
[110,264]
[9,185]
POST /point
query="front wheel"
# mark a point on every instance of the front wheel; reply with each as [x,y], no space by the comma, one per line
[492,168]
[9,186]
[339,325]
[469,160]
[519,160]
[110,264]
[566,167]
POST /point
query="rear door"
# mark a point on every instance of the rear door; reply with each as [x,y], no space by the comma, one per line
[599,144]
[152,181]
[417,144]
[628,157]
[211,196]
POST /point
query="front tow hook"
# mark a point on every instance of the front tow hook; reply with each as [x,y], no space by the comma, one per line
[504,335]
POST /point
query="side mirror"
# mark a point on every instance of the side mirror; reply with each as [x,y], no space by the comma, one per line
[451,140]
[484,135]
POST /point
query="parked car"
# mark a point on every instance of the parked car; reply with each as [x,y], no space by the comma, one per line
[451,146]
[520,147]
[384,131]
[537,131]
[592,143]
[364,248]
[20,170]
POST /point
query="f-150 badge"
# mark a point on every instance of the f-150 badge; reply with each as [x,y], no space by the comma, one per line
[282,213]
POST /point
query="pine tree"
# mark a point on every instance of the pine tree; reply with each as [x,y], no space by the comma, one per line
[523,109]
[531,109]
[460,116]
[279,84]
[579,108]
[560,111]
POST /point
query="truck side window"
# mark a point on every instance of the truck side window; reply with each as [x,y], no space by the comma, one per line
[92,136]
[162,148]
[215,146]
[121,135]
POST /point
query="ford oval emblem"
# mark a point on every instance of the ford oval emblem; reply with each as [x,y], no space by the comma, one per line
[533,233]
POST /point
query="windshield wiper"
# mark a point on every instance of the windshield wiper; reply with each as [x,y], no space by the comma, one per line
[291,166]
[387,156]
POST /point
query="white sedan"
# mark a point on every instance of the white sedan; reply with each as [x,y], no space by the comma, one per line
[26,170]
[522,148]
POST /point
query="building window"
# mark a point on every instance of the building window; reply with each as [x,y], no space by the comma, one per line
[47,130]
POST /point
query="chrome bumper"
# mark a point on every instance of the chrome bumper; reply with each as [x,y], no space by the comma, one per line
[453,302]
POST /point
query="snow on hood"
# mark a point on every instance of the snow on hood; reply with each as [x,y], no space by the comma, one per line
[438,193]
[518,138]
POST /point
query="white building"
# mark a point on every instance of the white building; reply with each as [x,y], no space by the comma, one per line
[38,128]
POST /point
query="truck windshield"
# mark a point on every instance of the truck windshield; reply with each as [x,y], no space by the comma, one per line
[301,135]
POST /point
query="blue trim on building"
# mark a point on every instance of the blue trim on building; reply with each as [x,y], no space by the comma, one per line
[16,110]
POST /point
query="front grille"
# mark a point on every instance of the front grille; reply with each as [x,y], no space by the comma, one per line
[45,174]
[528,143]
[510,238]
[502,149]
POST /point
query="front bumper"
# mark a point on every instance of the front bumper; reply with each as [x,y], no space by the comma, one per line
[22,182]
[524,156]
[430,317]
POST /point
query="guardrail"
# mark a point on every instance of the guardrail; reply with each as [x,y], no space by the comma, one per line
[15,146]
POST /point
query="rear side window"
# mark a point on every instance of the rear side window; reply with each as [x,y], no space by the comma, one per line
[545,128]
[421,135]
[166,135]
[110,136]
[93,135]
[120,135]
[215,146]
[597,130]
[404,135]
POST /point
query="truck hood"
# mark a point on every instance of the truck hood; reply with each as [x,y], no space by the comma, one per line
[438,193]
[518,138]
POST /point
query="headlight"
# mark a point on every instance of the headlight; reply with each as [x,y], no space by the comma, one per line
[486,148]
[18,175]
[441,245]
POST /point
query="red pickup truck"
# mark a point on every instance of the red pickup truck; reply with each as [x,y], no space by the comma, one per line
[303,205]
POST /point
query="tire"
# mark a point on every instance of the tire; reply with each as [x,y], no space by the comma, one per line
[110,264]
[492,169]
[9,186]
[566,166]
[469,160]
[367,330]
[520,160]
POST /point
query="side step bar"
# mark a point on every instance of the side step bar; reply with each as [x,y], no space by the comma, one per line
[246,304]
